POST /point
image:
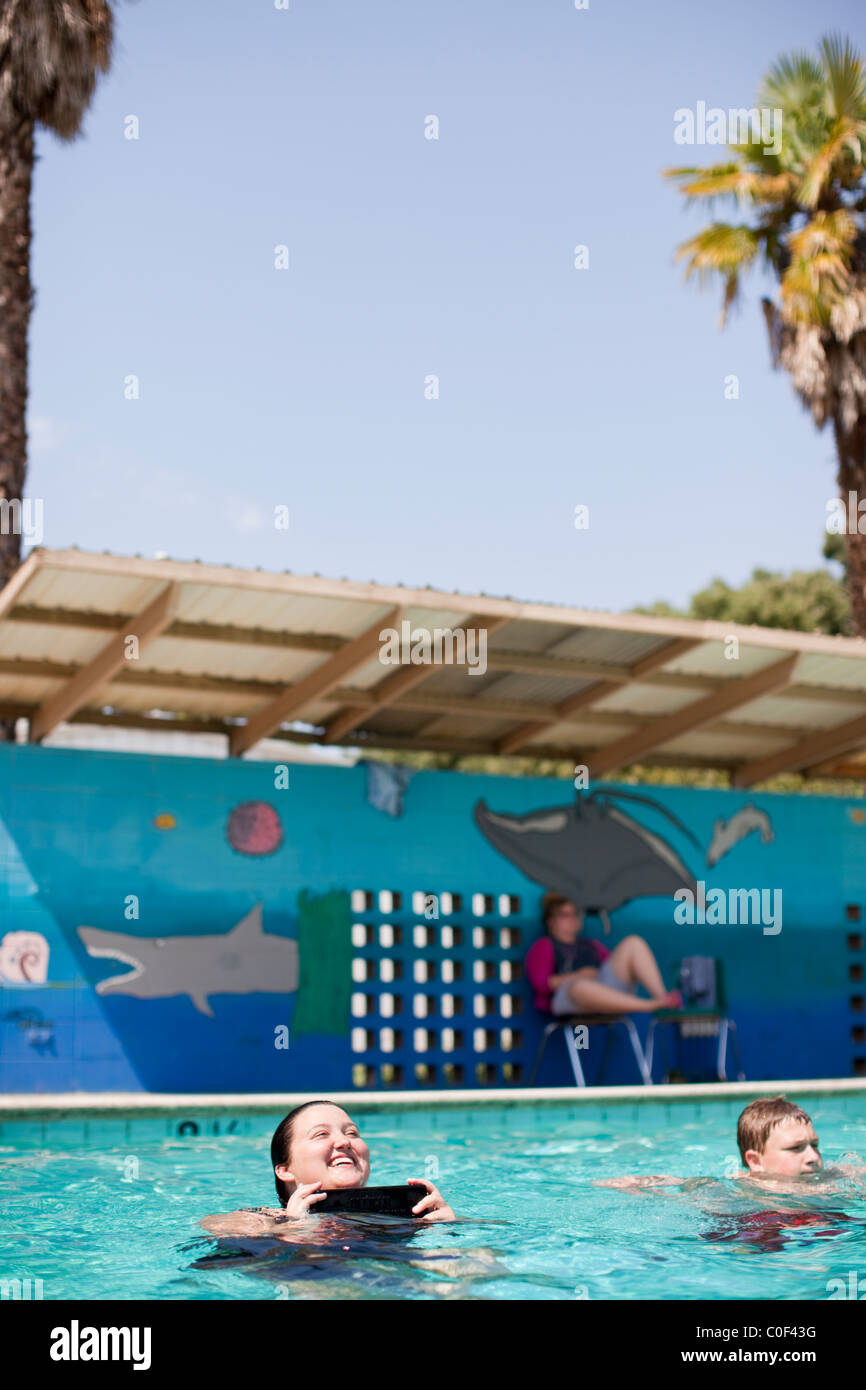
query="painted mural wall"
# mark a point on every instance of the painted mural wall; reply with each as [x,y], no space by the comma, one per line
[172,924]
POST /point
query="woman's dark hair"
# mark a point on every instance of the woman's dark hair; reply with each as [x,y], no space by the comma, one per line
[281,1146]
[551,903]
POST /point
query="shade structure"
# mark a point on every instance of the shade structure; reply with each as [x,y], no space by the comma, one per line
[166,644]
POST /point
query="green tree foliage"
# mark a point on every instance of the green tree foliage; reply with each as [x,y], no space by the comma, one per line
[805,601]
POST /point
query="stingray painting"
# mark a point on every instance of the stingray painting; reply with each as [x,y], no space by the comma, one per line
[591,852]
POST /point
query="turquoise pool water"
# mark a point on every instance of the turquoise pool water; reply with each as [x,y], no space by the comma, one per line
[109,1209]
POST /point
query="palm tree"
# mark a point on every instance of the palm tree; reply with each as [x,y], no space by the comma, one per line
[803,220]
[50,51]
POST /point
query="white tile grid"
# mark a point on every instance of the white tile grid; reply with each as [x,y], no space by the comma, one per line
[482,937]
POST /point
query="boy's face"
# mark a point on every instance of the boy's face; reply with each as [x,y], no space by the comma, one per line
[791,1149]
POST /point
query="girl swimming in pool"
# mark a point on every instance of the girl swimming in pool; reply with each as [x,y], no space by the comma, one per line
[316,1149]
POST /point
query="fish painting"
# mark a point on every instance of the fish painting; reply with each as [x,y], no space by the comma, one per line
[591,851]
[245,960]
[727,833]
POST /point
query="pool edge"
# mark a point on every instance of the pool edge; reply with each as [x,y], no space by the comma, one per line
[86,1103]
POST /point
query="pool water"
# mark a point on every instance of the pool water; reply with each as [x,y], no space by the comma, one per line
[110,1209]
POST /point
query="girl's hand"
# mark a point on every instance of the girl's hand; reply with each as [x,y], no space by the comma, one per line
[433,1206]
[303,1198]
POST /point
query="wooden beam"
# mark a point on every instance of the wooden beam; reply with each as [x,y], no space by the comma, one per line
[854,772]
[531,663]
[224,577]
[290,703]
[399,682]
[731,696]
[516,738]
[129,676]
[463,748]
[20,579]
[439,707]
[808,752]
[186,632]
[538,664]
[98,673]
[671,651]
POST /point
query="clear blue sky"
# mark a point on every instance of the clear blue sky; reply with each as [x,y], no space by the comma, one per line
[410,256]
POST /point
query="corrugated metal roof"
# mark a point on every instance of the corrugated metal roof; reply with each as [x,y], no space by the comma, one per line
[251,654]
[624,648]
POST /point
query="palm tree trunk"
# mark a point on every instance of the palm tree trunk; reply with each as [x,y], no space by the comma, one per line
[16,302]
[851,451]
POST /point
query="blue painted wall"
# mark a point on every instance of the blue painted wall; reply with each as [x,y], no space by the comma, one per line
[83,834]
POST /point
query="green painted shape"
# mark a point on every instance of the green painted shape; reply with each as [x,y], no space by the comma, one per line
[324,963]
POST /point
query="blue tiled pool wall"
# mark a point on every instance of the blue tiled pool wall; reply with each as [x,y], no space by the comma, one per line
[193,1126]
[439,922]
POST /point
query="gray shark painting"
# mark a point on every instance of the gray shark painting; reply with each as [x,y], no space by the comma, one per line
[245,960]
[591,851]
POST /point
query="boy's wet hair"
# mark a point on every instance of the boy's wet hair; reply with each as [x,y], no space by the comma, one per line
[762,1116]
[281,1146]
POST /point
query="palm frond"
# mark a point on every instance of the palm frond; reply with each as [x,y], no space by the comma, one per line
[721,181]
[719,247]
[793,82]
[844,79]
[827,233]
[811,287]
[51,53]
[845,143]
[720,250]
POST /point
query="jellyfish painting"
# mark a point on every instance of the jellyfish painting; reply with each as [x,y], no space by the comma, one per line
[592,851]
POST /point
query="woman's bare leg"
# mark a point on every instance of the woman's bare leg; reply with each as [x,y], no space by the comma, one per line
[589,997]
[635,963]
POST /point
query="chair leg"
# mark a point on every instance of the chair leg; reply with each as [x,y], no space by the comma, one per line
[650,1044]
[646,1075]
[741,1075]
[550,1028]
[608,1039]
[722,1057]
[573,1053]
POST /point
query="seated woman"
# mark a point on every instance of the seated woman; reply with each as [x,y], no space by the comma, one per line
[573,974]
[317,1148]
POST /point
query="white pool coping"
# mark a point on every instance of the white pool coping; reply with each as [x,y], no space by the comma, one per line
[146,1103]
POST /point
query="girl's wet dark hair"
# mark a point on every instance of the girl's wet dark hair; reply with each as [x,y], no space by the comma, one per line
[281,1146]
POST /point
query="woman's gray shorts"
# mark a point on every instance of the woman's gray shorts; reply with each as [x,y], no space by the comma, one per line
[562,1003]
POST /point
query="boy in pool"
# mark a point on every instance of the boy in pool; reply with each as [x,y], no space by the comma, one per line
[317,1148]
[777,1143]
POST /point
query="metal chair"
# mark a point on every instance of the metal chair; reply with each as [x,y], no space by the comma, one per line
[570,1022]
[708,1022]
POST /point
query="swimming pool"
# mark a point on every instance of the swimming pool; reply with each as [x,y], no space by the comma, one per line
[99,1207]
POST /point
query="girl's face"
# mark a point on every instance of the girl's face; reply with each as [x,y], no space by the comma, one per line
[326,1148]
[565,923]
